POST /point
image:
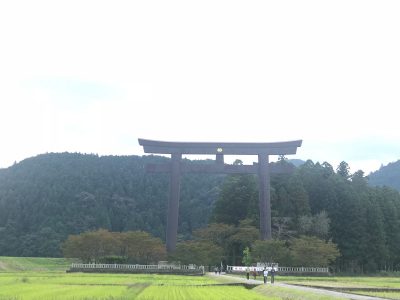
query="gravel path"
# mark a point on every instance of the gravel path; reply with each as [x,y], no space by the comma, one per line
[314,290]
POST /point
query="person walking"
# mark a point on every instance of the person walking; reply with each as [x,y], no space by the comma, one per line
[247,273]
[255,274]
[265,273]
[273,274]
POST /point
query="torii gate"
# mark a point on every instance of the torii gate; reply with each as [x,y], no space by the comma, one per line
[176,167]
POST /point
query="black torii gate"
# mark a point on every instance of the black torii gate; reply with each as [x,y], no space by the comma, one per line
[176,167]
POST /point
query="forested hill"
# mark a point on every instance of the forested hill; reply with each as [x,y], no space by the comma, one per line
[47,197]
[387,175]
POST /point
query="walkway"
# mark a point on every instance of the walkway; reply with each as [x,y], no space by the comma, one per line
[314,290]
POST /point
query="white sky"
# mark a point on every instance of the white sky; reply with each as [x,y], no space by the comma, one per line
[93,76]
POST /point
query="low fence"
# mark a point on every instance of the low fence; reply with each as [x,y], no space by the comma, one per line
[123,268]
[302,270]
[282,270]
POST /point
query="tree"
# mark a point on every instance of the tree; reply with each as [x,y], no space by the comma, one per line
[71,193]
[90,246]
[388,200]
[321,225]
[238,200]
[282,229]
[317,225]
[141,247]
[203,253]
[244,235]
[305,224]
[348,225]
[133,246]
[343,170]
[298,197]
[233,240]
[376,250]
[247,258]
[271,251]
[218,233]
[313,252]
[359,179]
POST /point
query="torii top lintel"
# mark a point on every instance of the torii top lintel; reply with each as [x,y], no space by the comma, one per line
[276,148]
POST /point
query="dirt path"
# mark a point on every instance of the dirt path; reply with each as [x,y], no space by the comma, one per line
[303,288]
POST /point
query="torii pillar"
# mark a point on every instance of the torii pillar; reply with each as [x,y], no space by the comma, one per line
[176,167]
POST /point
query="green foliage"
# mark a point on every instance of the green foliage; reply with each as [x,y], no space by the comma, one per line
[48,197]
[113,259]
[102,245]
[45,199]
[218,233]
[343,170]
[237,200]
[247,259]
[317,225]
[140,247]
[199,252]
[311,251]
[231,239]
[272,251]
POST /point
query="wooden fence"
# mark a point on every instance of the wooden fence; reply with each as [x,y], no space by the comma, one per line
[123,268]
[281,270]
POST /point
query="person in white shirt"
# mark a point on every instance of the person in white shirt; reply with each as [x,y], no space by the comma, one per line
[265,275]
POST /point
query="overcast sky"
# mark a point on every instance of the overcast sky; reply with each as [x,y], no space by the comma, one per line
[94,76]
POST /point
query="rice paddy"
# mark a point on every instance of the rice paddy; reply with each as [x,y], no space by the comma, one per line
[46,279]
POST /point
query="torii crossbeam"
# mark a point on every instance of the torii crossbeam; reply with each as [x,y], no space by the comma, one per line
[176,167]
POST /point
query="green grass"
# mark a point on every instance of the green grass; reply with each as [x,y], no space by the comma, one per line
[277,292]
[200,293]
[101,279]
[343,282]
[28,285]
[13,264]
[31,286]
[387,295]
[45,278]
[52,291]
[80,286]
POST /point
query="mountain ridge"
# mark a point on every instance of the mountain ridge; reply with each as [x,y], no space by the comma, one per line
[388,175]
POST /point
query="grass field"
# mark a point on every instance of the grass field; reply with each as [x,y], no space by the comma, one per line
[386,295]
[350,282]
[51,285]
[12,264]
[384,287]
[45,278]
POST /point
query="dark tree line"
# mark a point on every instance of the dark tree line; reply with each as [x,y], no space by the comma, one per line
[46,198]
[331,205]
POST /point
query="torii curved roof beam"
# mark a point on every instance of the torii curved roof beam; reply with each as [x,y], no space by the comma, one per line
[276,148]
